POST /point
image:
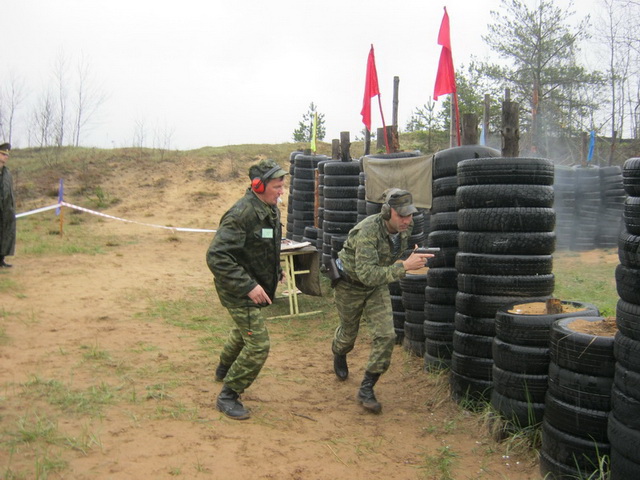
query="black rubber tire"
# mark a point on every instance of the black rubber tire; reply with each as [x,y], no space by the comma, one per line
[627,352]
[439,313]
[414,283]
[510,219]
[500,196]
[627,381]
[342,168]
[534,330]
[623,468]
[581,352]
[631,176]
[624,439]
[341,181]
[438,348]
[416,347]
[471,344]
[348,216]
[472,367]
[443,238]
[340,192]
[394,155]
[507,285]
[629,249]
[444,186]
[442,278]
[631,215]
[522,414]
[487,305]
[520,359]
[625,407]
[551,469]
[445,161]
[414,331]
[578,453]
[435,364]
[491,171]
[485,264]
[349,204]
[580,389]
[444,221]
[628,319]
[628,283]
[469,389]
[445,203]
[438,331]
[507,243]
[575,420]
[440,296]
[474,325]
[519,386]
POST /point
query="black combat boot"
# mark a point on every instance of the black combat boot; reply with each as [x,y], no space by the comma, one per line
[229,404]
[4,264]
[221,372]
[340,366]
[366,396]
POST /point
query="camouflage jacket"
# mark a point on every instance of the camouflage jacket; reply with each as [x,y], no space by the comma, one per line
[245,251]
[7,214]
[367,254]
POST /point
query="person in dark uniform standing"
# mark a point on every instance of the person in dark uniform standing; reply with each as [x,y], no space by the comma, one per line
[244,257]
[7,209]
[367,263]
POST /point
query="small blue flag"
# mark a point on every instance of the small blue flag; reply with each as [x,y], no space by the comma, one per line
[60,196]
[592,145]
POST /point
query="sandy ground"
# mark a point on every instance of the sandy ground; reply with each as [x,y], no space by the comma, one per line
[81,322]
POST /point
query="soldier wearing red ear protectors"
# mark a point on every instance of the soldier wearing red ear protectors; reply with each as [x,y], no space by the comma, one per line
[244,257]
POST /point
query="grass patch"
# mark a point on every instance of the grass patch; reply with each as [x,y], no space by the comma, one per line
[90,401]
[577,279]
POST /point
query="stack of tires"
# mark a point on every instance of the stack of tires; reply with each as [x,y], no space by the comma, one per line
[521,358]
[612,201]
[624,421]
[574,427]
[564,188]
[413,297]
[362,197]
[505,215]
[587,208]
[340,204]
[302,188]
[439,307]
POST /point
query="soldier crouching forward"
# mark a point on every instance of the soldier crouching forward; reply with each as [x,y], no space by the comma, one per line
[367,264]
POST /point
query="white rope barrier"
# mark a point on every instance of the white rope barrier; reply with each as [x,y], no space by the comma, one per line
[104,215]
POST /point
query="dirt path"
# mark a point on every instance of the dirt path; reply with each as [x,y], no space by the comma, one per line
[78,327]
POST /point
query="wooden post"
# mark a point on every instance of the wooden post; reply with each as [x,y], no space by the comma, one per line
[613,147]
[394,141]
[485,118]
[585,149]
[510,129]
[335,149]
[367,141]
[469,129]
[380,140]
[345,146]
[453,127]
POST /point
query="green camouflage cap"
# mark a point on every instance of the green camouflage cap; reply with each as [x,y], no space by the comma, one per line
[400,200]
[267,170]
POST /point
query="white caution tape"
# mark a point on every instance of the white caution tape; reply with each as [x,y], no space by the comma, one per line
[100,214]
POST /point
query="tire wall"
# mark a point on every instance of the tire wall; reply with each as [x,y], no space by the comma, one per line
[506,238]
[624,424]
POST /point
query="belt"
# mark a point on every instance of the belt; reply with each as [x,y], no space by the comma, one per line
[350,280]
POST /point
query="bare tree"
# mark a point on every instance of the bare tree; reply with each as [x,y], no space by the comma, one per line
[13,96]
[61,82]
[88,99]
[44,120]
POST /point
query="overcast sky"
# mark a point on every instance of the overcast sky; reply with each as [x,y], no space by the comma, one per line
[214,72]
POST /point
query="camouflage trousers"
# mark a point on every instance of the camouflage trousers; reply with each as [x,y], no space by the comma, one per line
[374,306]
[246,349]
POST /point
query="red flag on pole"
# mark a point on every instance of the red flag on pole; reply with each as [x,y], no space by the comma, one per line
[446,77]
[370,89]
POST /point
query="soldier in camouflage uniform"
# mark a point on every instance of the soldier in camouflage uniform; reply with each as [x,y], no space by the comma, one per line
[244,257]
[367,264]
[7,208]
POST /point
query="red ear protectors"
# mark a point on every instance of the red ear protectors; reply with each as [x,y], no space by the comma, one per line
[259,184]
